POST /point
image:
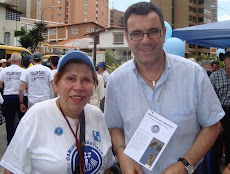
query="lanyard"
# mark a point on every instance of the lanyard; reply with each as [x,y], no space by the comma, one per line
[80,161]
[164,85]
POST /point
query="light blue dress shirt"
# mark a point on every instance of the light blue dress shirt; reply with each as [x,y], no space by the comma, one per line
[187,99]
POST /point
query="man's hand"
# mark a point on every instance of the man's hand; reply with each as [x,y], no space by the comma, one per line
[23,108]
[128,166]
[177,168]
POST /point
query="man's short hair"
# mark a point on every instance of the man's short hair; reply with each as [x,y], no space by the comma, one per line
[15,57]
[214,62]
[142,8]
[54,60]
[26,62]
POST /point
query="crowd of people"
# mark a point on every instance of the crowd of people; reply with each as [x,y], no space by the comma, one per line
[65,126]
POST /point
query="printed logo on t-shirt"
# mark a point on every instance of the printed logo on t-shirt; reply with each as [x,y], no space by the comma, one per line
[96,136]
[37,75]
[13,76]
[92,158]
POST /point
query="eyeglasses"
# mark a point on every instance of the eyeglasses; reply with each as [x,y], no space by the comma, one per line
[138,35]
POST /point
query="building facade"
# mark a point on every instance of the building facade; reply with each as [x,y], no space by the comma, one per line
[116,18]
[77,11]
[180,14]
[10,21]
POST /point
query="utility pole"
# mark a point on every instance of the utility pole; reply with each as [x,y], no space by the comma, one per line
[95,47]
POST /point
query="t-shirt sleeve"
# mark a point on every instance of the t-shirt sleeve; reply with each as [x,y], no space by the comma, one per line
[2,76]
[16,158]
[51,77]
[23,76]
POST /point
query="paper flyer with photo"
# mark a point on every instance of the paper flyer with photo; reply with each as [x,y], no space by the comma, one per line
[150,139]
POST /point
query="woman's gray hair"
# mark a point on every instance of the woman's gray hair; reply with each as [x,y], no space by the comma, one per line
[16,57]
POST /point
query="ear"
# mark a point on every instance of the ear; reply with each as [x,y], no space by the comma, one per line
[164,33]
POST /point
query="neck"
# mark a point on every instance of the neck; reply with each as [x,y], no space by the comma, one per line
[151,73]
[61,107]
[227,70]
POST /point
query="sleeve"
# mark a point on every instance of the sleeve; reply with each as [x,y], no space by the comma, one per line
[112,114]
[51,77]
[23,76]
[209,110]
[2,75]
[16,158]
[101,89]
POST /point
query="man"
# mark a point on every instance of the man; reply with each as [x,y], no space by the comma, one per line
[104,73]
[214,67]
[3,63]
[53,63]
[171,86]
[38,79]
[10,79]
[221,83]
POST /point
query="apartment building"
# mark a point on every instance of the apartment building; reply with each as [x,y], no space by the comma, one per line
[180,14]
[116,18]
[77,11]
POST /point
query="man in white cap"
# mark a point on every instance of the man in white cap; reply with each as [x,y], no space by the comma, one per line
[3,63]
[38,78]
[10,79]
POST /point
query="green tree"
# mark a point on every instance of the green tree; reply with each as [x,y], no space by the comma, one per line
[110,61]
[38,33]
[32,38]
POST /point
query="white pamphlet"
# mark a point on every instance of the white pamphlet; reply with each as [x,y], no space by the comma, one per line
[150,139]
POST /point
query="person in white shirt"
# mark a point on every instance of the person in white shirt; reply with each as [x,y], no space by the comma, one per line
[64,135]
[38,78]
[54,63]
[101,66]
[98,92]
[10,79]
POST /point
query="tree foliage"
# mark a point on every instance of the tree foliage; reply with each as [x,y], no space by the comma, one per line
[33,37]
[110,61]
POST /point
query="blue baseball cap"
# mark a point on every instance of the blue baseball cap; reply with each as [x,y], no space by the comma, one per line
[75,55]
[101,64]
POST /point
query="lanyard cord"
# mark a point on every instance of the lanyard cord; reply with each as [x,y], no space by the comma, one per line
[82,171]
[164,85]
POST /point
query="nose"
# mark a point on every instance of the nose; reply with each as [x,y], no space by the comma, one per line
[78,85]
[145,38]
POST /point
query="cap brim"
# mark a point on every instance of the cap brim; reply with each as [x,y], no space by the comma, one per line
[75,55]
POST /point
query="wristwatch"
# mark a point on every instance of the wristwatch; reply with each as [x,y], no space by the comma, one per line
[188,167]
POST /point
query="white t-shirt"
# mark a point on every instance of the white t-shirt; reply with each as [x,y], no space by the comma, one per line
[98,92]
[53,72]
[44,144]
[105,76]
[38,78]
[10,76]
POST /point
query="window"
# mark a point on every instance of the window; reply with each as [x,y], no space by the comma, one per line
[74,31]
[59,8]
[10,15]
[86,5]
[118,38]
[58,15]
[59,1]
[7,38]
[85,20]
[52,31]
[200,19]
[85,12]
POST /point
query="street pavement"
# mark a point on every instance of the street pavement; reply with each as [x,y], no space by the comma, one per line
[3,143]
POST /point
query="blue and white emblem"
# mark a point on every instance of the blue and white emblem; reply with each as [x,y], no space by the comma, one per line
[58,131]
[155,128]
[96,136]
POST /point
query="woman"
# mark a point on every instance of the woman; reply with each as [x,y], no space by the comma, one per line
[45,140]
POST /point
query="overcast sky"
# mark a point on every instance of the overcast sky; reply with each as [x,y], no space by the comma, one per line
[223,7]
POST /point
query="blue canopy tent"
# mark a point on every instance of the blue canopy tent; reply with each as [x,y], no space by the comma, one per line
[211,35]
